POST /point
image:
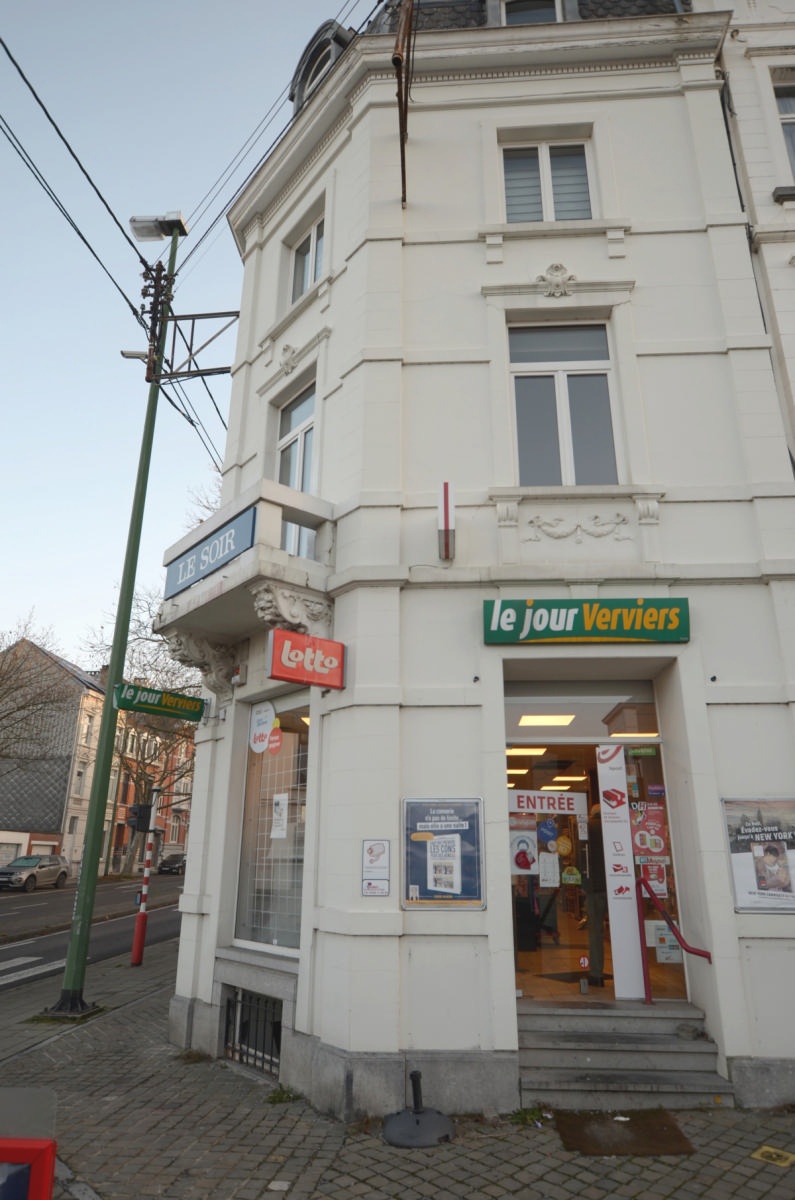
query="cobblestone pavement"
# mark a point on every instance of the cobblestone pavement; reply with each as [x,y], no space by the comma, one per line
[137,1118]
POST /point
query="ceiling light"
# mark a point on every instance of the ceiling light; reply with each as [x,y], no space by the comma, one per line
[305,720]
[524,750]
[517,771]
[636,735]
[548,787]
[569,778]
[547,719]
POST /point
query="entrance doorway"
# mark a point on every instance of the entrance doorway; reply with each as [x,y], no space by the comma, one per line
[579,843]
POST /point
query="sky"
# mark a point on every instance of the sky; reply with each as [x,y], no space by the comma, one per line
[167,107]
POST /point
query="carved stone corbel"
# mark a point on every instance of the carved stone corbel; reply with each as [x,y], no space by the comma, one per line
[288,608]
[215,661]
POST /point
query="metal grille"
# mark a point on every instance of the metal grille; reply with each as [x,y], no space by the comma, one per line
[253,1031]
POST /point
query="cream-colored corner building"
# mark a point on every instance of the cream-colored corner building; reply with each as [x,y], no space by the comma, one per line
[520,445]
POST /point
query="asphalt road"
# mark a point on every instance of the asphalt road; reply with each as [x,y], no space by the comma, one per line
[35,927]
[27,914]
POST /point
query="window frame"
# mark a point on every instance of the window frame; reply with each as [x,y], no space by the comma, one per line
[561,370]
[509,5]
[786,120]
[311,265]
[268,859]
[298,539]
[543,149]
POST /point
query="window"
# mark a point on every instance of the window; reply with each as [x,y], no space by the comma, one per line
[296,430]
[272,844]
[785,98]
[529,12]
[307,261]
[564,426]
[546,183]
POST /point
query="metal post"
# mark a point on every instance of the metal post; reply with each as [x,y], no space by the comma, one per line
[139,936]
[71,1002]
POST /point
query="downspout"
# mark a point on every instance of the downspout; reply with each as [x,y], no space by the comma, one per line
[400,56]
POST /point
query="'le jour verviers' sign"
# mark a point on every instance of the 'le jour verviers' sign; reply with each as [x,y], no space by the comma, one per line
[159,704]
[633,620]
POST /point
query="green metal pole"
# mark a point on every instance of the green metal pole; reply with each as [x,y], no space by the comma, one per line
[71,1001]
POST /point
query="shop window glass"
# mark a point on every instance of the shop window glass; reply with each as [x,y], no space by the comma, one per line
[272,847]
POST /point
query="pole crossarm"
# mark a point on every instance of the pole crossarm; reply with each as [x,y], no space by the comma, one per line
[184,328]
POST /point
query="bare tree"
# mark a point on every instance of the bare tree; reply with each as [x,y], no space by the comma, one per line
[153,751]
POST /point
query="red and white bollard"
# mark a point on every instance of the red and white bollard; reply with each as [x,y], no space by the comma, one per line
[139,933]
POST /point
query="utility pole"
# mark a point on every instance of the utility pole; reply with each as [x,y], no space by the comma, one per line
[159,287]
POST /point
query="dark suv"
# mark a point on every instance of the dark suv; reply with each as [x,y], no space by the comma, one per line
[30,870]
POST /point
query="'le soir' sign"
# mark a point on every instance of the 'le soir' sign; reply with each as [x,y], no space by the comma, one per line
[214,552]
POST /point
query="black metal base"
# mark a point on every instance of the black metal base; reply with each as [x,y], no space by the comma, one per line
[71,1005]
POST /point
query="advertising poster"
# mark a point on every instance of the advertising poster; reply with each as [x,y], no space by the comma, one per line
[761,836]
[619,868]
[650,843]
[279,821]
[444,853]
[524,844]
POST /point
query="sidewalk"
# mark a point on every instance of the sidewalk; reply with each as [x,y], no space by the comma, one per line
[136,1118]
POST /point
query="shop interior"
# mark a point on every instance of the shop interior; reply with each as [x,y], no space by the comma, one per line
[562,938]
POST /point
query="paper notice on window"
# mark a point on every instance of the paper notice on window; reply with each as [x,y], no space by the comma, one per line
[279,821]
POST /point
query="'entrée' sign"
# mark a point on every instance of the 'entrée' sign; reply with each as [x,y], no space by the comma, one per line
[299,658]
[632,620]
[159,704]
[214,552]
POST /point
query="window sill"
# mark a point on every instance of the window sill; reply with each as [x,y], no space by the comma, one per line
[530,229]
[618,491]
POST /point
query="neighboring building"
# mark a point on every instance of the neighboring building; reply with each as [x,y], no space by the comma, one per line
[563,324]
[51,711]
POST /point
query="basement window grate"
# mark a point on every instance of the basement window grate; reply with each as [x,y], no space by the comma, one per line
[253,1031]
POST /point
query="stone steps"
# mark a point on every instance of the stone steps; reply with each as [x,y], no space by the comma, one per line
[604,1057]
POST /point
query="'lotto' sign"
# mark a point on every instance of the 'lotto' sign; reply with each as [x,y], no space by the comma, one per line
[299,658]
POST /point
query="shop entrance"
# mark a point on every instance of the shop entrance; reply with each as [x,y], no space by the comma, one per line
[588,816]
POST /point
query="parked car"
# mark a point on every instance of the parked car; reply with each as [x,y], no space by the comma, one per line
[172,864]
[27,872]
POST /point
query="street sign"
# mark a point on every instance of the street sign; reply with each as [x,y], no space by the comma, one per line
[160,704]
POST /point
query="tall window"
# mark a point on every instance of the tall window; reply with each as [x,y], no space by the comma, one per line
[785,98]
[307,260]
[296,432]
[272,846]
[529,12]
[546,183]
[564,426]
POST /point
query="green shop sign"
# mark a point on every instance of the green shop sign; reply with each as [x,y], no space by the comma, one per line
[632,620]
[160,704]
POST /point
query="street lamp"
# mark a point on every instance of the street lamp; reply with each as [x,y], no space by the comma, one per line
[71,1002]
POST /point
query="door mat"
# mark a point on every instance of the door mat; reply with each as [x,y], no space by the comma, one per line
[647,1133]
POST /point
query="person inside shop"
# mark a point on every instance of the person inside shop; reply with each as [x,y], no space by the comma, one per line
[772,869]
[596,898]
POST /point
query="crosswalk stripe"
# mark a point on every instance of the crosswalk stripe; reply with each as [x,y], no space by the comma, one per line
[31,971]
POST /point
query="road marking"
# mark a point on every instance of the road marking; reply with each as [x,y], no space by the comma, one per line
[18,962]
[31,971]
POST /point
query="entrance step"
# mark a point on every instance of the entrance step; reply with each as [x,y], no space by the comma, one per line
[604,1057]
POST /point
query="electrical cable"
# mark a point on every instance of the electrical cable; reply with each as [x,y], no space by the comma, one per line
[41,180]
[54,124]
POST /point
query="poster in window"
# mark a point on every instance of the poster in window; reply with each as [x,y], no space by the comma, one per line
[761,835]
[443,853]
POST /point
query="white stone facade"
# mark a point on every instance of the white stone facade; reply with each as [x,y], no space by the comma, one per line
[403,340]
